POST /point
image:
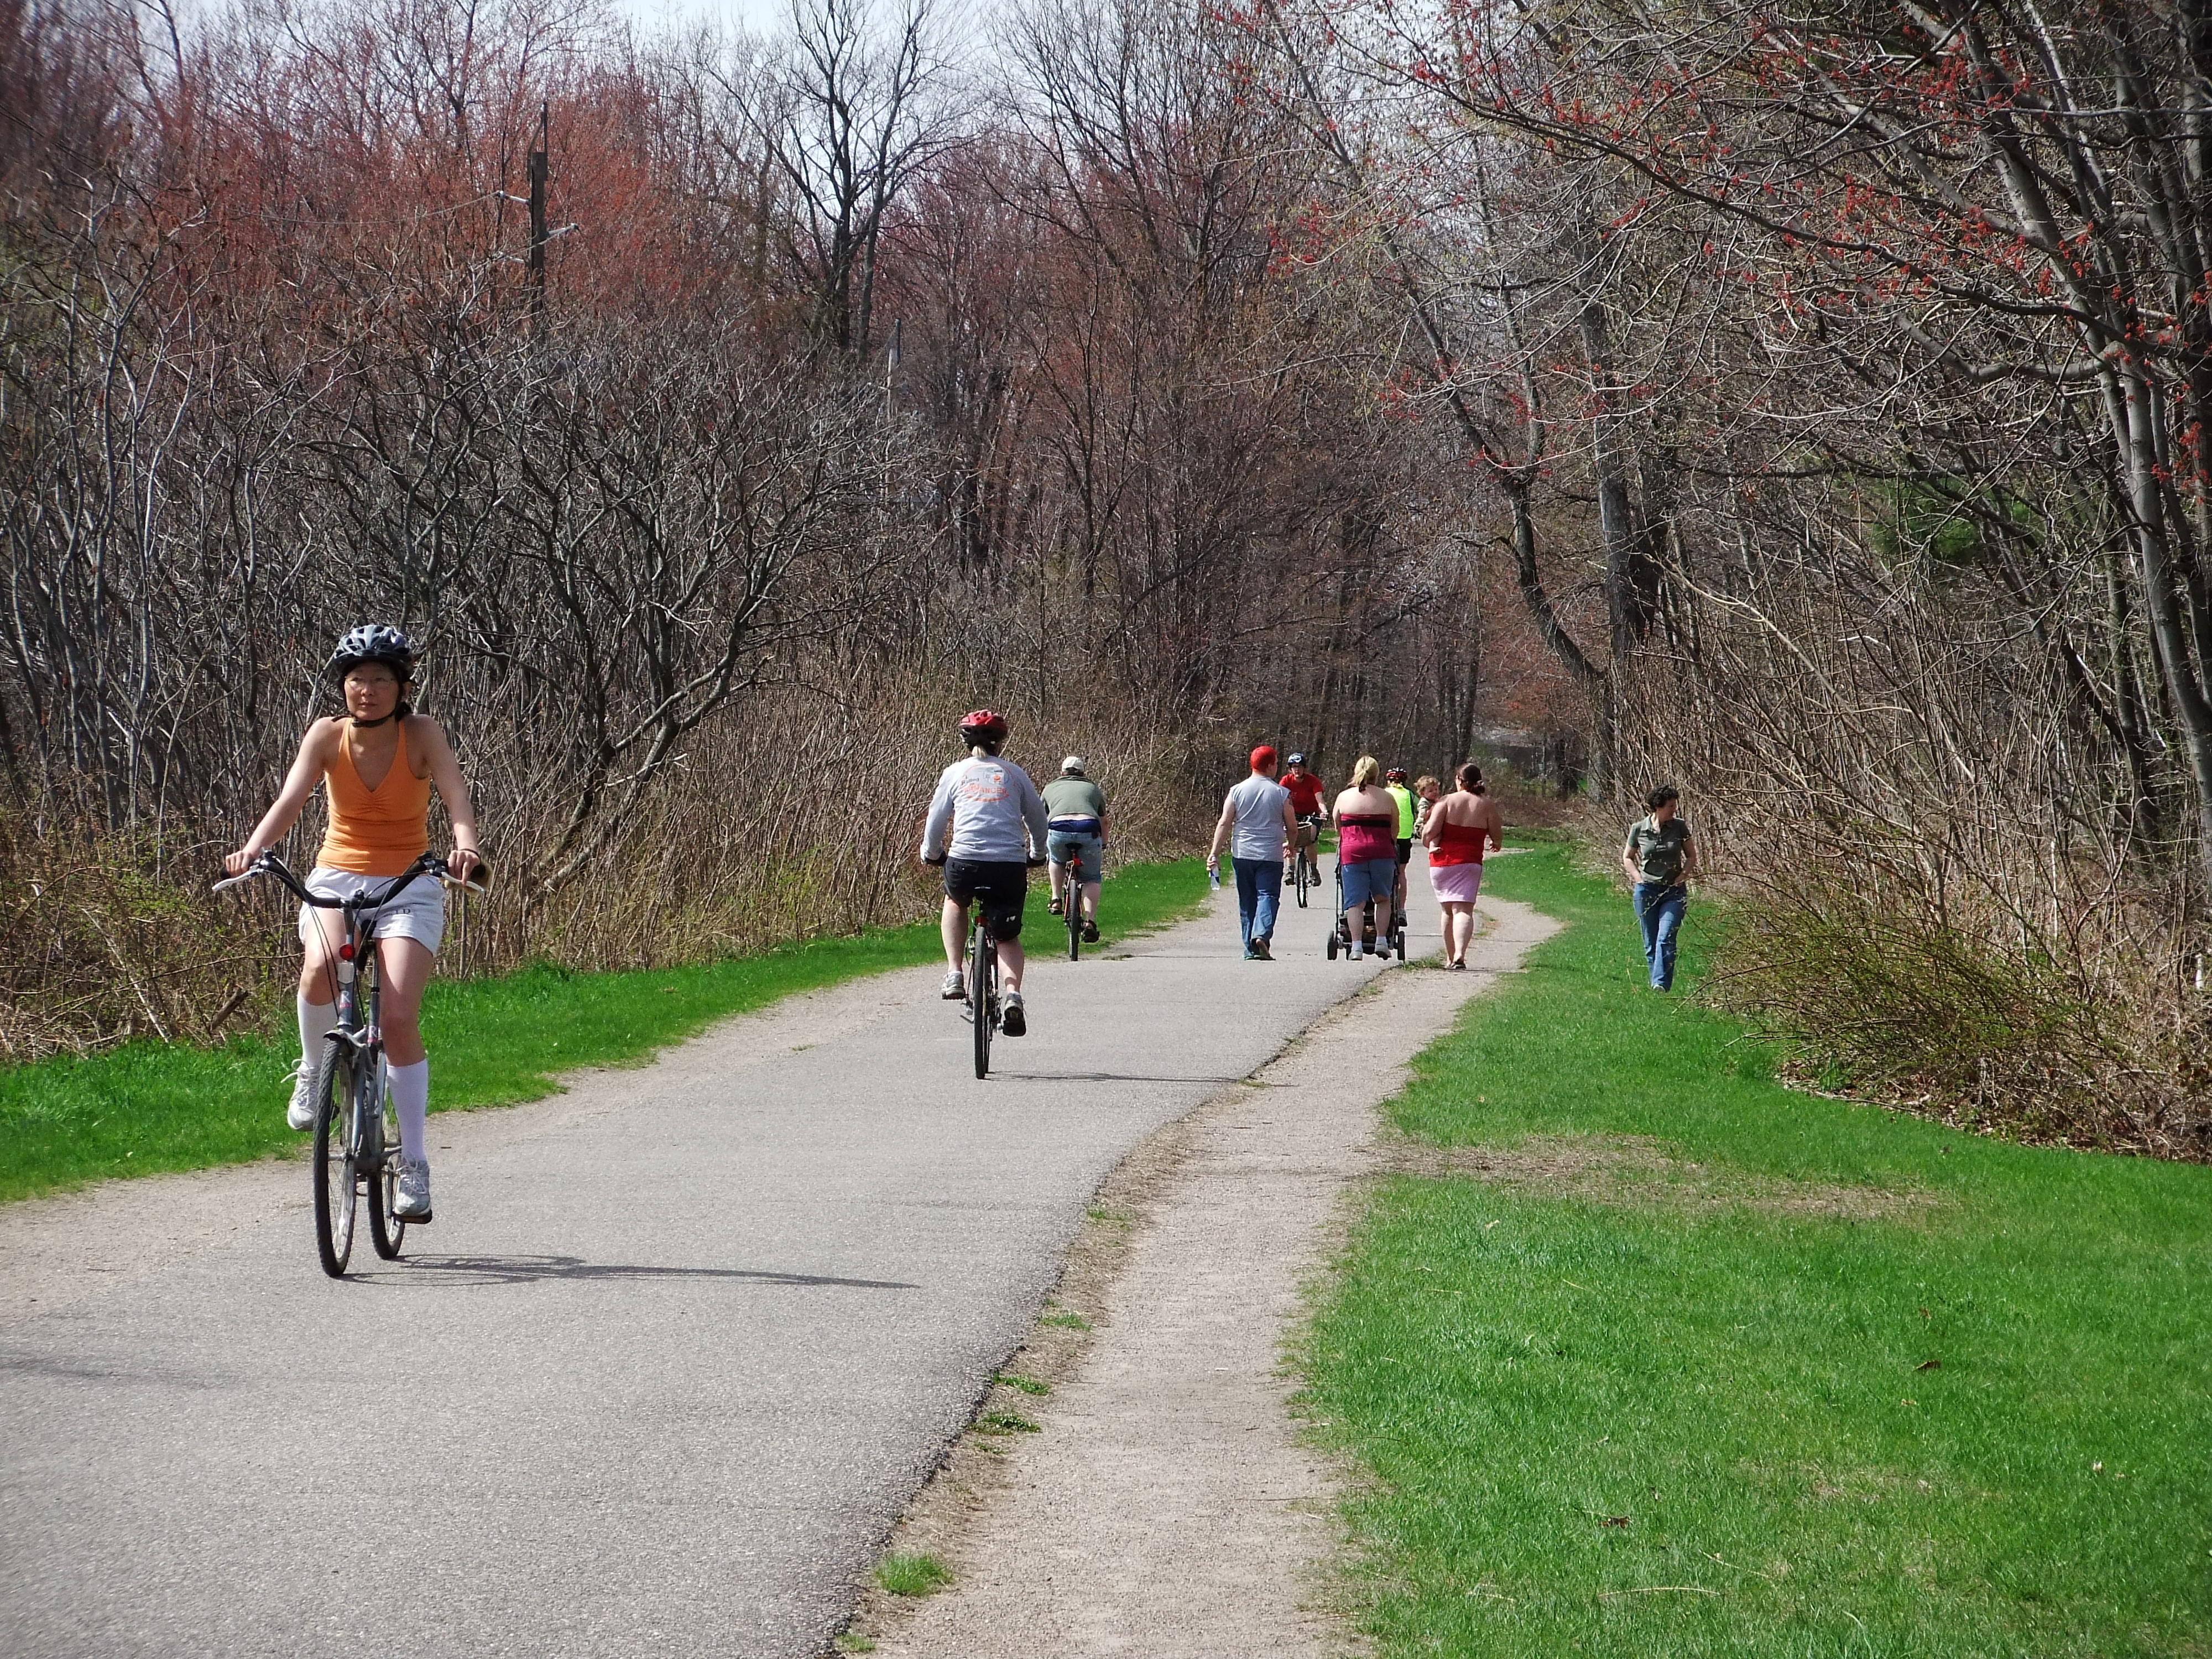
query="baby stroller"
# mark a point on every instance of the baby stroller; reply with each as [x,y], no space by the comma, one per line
[1339,936]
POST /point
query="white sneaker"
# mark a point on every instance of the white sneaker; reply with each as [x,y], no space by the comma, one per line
[300,1113]
[1012,1019]
[413,1203]
[956,988]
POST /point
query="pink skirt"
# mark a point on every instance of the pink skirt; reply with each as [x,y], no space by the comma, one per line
[1455,883]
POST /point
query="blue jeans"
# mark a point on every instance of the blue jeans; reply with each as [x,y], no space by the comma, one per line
[1259,890]
[1659,913]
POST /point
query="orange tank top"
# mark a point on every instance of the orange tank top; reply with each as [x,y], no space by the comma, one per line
[379,831]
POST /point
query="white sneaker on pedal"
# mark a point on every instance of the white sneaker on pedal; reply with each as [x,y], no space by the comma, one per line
[956,988]
[413,1203]
[300,1113]
[1012,1020]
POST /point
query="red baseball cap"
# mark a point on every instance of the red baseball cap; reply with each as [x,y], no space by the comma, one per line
[1263,755]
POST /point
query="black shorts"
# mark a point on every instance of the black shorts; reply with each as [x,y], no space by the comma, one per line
[1001,889]
[1405,853]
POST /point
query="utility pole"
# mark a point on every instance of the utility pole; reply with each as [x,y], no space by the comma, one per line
[537,234]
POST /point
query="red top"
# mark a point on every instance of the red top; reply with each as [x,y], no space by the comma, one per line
[1305,792]
[1457,843]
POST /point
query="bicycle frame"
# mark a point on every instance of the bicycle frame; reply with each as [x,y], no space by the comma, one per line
[360,1139]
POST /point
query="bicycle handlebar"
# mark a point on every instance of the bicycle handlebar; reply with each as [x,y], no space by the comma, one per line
[429,864]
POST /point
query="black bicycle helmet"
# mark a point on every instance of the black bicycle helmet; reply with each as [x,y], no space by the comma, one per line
[372,642]
[1296,758]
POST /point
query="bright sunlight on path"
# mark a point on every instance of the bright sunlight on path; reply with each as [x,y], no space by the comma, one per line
[679,1348]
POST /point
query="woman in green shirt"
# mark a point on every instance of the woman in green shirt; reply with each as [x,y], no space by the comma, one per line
[1660,859]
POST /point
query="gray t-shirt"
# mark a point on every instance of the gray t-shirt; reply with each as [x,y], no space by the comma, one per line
[1258,805]
[1657,848]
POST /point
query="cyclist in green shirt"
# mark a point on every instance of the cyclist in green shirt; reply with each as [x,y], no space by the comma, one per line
[1394,782]
[1075,822]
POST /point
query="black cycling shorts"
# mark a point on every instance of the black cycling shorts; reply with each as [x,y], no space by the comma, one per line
[1001,889]
[1405,852]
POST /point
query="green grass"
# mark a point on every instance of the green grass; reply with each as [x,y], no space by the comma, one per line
[1611,1416]
[913,1575]
[150,1107]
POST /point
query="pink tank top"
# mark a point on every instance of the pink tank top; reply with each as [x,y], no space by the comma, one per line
[1361,836]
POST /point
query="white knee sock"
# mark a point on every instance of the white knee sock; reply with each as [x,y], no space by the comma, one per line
[317,1021]
[411,1097]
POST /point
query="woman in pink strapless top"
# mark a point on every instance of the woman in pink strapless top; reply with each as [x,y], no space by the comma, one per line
[1366,817]
[1457,829]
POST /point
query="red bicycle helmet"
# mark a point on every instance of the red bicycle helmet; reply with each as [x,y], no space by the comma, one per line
[1395,774]
[983,726]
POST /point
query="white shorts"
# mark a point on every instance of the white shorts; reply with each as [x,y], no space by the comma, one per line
[419,911]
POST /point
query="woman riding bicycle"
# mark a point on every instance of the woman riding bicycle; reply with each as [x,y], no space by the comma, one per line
[379,763]
[986,828]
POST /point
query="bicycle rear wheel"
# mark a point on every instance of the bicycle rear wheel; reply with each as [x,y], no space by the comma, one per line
[982,992]
[1074,909]
[386,1229]
[334,1158]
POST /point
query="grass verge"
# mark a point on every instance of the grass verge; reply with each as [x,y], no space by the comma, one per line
[150,1107]
[913,1575]
[1657,1357]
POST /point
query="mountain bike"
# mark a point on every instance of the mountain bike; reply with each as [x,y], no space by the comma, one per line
[356,1129]
[1075,906]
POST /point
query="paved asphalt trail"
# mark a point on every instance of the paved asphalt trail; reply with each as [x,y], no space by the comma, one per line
[679,1348]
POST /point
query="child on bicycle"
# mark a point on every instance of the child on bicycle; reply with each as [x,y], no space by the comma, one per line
[379,763]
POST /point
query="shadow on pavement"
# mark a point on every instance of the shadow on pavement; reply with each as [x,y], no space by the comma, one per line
[1103,1077]
[529,1269]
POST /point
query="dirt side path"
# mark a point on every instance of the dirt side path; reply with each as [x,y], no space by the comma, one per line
[1165,1507]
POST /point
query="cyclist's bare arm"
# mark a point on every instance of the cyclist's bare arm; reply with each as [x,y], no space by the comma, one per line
[316,753]
[453,789]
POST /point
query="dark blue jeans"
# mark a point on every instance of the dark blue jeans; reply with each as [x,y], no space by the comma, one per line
[1659,913]
[1259,890]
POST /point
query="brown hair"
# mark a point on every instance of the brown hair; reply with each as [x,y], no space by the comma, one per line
[1425,781]
[1470,778]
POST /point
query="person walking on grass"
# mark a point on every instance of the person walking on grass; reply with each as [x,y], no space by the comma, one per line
[1661,858]
[1456,829]
[1367,852]
[1075,818]
[1257,821]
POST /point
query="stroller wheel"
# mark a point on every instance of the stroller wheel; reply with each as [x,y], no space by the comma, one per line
[1332,947]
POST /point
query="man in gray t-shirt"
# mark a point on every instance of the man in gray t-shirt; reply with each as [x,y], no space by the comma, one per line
[1660,858]
[1257,814]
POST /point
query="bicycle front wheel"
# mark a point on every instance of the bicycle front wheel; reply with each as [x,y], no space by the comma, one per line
[334,1158]
[1304,882]
[386,1229]
[982,971]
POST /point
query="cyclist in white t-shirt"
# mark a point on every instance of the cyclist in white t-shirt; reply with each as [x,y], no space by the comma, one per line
[985,828]
[1257,813]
